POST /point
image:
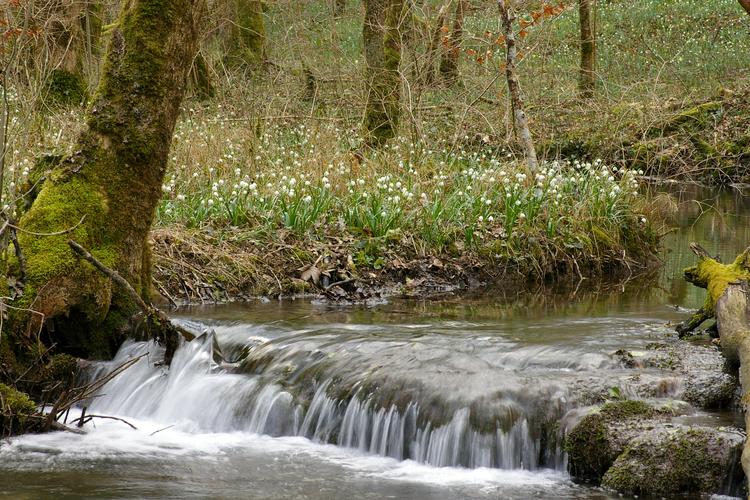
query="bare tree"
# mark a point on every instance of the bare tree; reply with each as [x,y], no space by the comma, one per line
[514,87]
[587,82]
[73,27]
[450,56]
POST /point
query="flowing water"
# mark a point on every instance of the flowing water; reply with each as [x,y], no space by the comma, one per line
[453,398]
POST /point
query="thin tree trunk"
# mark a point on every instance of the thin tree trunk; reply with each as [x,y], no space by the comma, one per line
[382,44]
[587,82]
[104,195]
[745,5]
[514,87]
[434,46]
[200,79]
[450,56]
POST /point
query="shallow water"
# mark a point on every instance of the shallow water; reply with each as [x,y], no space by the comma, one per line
[410,399]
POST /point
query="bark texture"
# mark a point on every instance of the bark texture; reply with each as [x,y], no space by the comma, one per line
[104,195]
[728,289]
[587,81]
[452,48]
[428,74]
[382,44]
[74,28]
[248,34]
[514,87]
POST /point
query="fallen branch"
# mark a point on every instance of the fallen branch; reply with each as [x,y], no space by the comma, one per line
[83,420]
[157,322]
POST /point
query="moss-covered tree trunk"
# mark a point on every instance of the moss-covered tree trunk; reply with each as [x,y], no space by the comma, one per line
[74,28]
[728,288]
[382,44]
[105,193]
[452,49]
[248,43]
[587,81]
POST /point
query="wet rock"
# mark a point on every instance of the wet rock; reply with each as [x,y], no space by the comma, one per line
[599,437]
[683,460]
[634,448]
[699,369]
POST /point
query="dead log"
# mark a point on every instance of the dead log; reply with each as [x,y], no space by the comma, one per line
[728,286]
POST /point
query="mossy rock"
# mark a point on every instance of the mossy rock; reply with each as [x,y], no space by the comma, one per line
[682,461]
[593,445]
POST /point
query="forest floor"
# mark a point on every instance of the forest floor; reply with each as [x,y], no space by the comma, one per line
[268,192]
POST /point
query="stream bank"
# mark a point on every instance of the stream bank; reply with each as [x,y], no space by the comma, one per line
[457,396]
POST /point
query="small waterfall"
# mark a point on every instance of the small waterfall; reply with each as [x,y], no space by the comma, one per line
[199,395]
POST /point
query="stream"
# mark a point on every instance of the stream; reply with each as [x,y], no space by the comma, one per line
[458,397]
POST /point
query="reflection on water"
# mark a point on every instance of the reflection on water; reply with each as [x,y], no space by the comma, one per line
[447,362]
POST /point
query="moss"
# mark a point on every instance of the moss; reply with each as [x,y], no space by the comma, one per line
[16,402]
[715,277]
[695,118]
[589,447]
[66,88]
[61,367]
[686,463]
[60,208]
[250,34]
[628,409]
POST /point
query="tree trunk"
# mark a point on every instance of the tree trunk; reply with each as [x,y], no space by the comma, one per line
[745,5]
[200,79]
[728,289]
[74,28]
[514,87]
[587,81]
[248,34]
[104,195]
[428,75]
[452,48]
[382,43]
